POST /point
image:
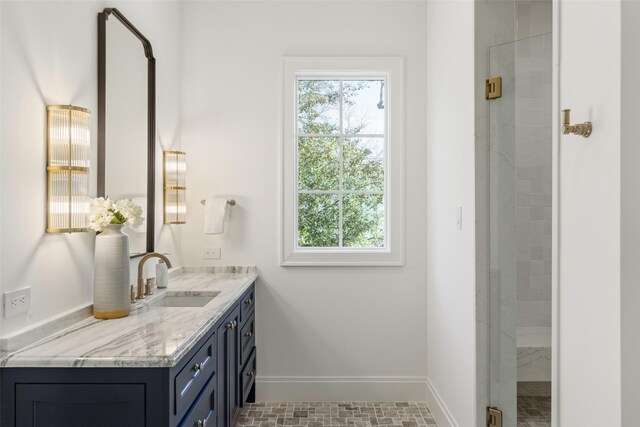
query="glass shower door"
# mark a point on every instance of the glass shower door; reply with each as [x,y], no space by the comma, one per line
[520,231]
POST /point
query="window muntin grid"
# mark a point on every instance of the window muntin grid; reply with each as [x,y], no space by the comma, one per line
[345,134]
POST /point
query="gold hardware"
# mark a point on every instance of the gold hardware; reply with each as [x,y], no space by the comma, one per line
[148,289]
[115,314]
[250,373]
[248,334]
[249,301]
[493,88]
[68,143]
[230,202]
[197,367]
[140,269]
[202,423]
[133,295]
[582,129]
[140,294]
[494,417]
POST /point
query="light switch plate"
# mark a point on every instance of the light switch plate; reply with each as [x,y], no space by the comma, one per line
[16,302]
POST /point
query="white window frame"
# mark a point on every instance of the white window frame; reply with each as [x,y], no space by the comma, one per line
[392,69]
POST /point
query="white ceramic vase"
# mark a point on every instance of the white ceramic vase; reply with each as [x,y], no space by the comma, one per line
[111,291]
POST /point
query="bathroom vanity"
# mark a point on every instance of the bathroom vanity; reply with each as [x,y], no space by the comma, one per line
[185,357]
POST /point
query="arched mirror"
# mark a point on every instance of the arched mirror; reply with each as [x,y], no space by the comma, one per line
[126,121]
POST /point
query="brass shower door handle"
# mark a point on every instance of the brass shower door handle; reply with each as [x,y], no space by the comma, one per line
[582,129]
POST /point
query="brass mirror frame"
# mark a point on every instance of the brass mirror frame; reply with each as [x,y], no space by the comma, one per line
[151,115]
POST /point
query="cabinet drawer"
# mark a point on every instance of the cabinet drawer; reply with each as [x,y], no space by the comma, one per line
[194,375]
[203,414]
[248,376]
[247,303]
[247,338]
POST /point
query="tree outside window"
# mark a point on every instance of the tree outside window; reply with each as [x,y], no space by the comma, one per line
[341,139]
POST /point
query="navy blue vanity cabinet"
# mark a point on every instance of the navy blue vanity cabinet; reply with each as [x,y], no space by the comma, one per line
[247,352]
[194,376]
[80,397]
[92,404]
[108,397]
[236,369]
[228,345]
[203,411]
[206,388]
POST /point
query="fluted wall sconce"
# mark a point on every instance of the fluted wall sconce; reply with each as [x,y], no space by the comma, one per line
[175,171]
[68,147]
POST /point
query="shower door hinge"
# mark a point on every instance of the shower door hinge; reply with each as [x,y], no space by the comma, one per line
[493,88]
[494,417]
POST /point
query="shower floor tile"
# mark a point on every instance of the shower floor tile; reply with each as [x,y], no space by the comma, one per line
[321,414]
[534,411]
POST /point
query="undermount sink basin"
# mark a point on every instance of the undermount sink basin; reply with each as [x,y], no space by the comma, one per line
[183,299]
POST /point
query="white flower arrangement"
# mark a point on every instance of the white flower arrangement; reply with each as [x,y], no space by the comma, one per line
[105,211]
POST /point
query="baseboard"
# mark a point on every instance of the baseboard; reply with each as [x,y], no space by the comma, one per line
[440,412]
[356,389]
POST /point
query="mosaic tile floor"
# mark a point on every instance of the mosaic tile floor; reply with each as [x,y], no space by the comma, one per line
[534,411]
[321,414]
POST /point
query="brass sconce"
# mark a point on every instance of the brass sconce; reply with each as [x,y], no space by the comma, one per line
[68,147]
[174,171]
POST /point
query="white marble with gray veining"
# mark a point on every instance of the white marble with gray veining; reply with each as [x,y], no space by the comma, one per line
[149,336]
[43,329]
[534,364]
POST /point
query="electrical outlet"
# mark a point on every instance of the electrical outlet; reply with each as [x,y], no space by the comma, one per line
[211,253]
[16,302]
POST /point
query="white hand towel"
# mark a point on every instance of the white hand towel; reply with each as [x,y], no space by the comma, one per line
[215,209]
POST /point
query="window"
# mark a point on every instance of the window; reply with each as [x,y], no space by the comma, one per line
[343,156]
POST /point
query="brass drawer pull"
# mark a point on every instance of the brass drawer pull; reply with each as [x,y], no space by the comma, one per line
[249,301]
[202,423]
[248,334]
[197,367]
[250,373]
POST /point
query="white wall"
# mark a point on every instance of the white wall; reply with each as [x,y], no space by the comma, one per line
[451,312]
[48,55]
[630,205]
[324,333]
[1,96]
[589,363]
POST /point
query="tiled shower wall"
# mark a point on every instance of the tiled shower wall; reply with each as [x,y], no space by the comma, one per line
[533,180]
[520,212]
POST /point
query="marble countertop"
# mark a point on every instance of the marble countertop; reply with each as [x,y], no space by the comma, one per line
[150,336]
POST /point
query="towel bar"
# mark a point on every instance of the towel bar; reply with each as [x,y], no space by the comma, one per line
[230,202]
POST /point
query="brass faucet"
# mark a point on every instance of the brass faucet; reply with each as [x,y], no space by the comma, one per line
[140,268]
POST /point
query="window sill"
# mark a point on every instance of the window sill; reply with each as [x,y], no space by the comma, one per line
[322,258]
